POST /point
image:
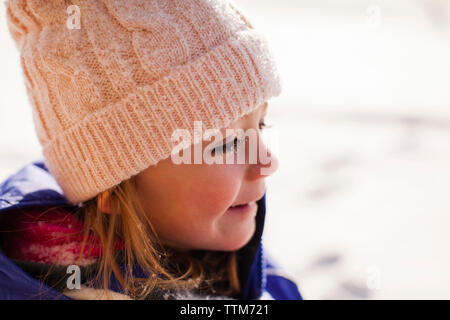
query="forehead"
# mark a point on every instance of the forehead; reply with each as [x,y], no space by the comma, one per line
[257,113]
[249,120]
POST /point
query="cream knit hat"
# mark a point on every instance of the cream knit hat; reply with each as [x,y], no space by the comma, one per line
[107,96]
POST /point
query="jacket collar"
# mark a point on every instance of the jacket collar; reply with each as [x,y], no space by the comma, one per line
[34,186]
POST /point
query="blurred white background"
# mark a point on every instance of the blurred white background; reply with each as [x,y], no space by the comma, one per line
[359,208]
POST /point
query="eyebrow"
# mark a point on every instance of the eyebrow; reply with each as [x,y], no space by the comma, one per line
[265,106]
[228,139]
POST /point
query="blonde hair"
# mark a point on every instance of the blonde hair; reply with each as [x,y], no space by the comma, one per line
[169,270]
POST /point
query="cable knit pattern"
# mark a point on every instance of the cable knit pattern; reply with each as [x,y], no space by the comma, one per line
[107,97]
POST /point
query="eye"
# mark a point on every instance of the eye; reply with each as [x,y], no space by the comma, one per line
[228,147]
[263,125]
[233,145]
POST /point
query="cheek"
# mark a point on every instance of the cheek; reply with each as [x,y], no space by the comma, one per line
[213,192]
[185,205]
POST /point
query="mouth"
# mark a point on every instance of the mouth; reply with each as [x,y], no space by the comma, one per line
[243,205]
[239,205]
[250,207]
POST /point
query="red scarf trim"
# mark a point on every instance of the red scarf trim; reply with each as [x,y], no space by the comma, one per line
[52,236]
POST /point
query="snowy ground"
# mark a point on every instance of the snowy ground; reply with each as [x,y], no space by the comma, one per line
[359,206]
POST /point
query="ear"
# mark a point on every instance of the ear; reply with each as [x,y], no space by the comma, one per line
[104,202]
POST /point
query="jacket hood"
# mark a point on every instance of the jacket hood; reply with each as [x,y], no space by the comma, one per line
[34,186]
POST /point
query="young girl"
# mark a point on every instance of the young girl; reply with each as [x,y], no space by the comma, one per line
[108,213]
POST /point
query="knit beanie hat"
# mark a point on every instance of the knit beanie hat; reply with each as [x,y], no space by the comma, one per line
[107,95]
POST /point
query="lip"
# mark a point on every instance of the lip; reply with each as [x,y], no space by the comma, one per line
[259,197]
[244,209]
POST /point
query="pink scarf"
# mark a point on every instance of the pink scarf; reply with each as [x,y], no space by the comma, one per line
[49,235]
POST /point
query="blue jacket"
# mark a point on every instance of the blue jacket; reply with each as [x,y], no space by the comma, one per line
[34,186]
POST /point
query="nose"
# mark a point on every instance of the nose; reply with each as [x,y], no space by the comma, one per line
[267,163]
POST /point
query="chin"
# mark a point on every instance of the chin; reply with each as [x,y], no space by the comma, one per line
[235,247]
[237,242]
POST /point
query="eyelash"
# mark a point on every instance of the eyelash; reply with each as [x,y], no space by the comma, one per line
[232,145]
[263,125]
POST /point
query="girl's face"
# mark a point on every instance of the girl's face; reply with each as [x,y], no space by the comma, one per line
[189,204]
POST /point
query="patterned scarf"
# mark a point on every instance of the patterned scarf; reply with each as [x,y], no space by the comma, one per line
[49,235]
